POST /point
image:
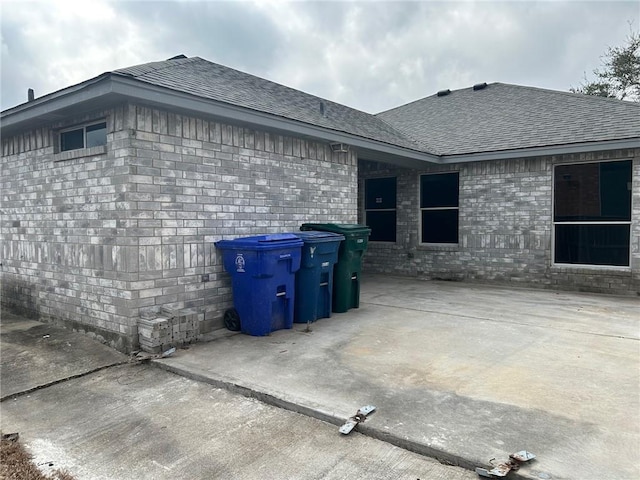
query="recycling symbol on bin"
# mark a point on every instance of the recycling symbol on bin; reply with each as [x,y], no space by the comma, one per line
[240,263]
[312,250]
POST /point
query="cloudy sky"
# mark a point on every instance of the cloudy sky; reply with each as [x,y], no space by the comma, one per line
[369,55]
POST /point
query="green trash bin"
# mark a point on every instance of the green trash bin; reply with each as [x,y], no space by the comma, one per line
[347,271]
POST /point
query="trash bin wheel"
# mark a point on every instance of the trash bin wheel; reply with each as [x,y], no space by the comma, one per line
[232,320]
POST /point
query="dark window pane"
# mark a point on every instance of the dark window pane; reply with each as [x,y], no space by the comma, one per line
[615,190]
[380,193]
[592,244]
[593,192]
[71,140]
[440,226]
[96,135]
[439,190]
[382,225]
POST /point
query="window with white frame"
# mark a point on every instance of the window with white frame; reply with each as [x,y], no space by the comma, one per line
[592,213]
[439,208]
[84,136]
[380,208]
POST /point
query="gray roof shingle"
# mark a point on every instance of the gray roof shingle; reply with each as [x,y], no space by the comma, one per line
[504,117]
[498,118]
[211,81]
[495,118]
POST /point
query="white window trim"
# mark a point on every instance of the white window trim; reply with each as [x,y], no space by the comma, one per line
[82,127]
[365,209]
[421,209]
[586,266]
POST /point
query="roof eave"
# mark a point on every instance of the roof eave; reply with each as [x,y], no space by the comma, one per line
[572,148]
[161,96]
[120,87]
[111,87]
[50,105]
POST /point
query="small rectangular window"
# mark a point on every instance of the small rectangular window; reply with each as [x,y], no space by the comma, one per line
[71,140]
[380,208]
[86,136]
[96,135]
[439,198]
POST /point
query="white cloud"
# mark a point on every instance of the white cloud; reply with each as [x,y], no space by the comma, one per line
[49,46]
[369,55]
[378,55]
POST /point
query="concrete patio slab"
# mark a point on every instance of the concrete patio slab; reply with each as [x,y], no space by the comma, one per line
[36,354]
[464,373]
[135,422]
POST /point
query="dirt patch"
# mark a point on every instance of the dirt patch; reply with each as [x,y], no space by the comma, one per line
[16,463]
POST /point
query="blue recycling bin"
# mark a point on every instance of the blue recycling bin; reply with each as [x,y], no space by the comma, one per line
[262,270]
[314,280]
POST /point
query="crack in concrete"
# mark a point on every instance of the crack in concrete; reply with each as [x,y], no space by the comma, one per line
[61,380]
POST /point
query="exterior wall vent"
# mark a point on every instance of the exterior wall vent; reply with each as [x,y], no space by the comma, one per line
[480,86]
[442,93]
[339,147]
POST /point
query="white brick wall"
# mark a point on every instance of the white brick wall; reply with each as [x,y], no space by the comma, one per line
[96,241]
[196,182]
[505,227]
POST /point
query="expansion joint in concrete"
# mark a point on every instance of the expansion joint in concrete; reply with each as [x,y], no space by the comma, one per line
[61,380]
[441,456]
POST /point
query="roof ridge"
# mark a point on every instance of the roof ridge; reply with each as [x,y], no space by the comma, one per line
[570,94]
[540,89]
[162,65]
[429,96]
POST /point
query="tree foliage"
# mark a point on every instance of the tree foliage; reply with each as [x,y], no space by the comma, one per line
[619,76]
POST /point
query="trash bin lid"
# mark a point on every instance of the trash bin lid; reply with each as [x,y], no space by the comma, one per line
[314,236]
[343,228]
[275,237]
[260,242]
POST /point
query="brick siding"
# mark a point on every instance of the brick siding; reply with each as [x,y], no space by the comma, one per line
[98,238]
[109,238]
[505,225]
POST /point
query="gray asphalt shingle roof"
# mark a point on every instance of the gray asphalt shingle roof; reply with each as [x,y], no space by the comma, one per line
[497,117]
[504,117]
[209,80]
